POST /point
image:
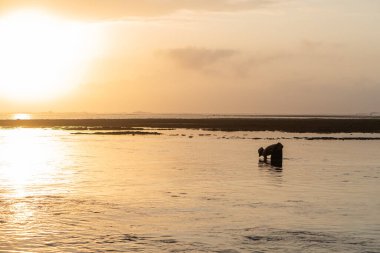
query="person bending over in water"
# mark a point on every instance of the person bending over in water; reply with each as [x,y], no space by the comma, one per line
[274,150]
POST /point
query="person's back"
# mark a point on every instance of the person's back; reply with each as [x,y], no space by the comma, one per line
[275,151]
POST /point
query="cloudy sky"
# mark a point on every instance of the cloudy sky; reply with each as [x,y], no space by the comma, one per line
[192,56]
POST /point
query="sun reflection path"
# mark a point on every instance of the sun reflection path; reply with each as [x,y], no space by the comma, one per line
[30,161]
[34,167]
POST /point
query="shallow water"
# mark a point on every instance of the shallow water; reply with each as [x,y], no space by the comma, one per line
[171,193]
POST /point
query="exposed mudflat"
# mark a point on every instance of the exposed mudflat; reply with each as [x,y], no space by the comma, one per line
[301,125]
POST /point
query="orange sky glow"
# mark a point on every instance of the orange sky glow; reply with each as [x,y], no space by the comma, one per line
[191,56]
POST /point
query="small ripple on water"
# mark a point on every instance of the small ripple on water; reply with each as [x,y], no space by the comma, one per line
[301,241]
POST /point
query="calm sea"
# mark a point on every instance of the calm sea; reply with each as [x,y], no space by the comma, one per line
[187,191]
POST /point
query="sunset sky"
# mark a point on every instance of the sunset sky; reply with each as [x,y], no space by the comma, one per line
[190,56]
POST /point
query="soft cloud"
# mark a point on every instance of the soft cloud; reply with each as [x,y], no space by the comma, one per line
[312,45]
[223,61]
[198,58]
[114,9]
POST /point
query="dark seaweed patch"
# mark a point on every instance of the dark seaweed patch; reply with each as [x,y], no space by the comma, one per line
[118,133]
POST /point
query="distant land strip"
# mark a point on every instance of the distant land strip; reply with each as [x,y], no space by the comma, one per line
[300,125]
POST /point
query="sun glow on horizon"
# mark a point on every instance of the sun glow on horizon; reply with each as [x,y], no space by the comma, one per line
[42,56]
[21,116]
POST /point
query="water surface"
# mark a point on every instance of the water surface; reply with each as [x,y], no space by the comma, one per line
[171,193]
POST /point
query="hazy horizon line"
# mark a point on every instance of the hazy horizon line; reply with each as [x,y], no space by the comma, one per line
[196,113]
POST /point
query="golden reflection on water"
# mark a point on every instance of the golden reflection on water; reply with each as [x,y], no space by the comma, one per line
[29,160]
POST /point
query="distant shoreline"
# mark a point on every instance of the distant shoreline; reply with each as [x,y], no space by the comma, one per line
[301,125]
[60,116]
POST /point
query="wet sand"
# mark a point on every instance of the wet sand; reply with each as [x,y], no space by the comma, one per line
[301,125]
